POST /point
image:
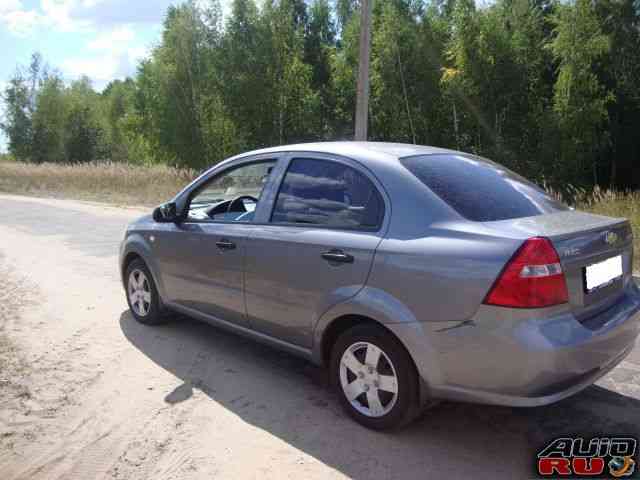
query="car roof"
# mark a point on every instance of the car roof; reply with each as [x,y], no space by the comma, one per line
[356,150]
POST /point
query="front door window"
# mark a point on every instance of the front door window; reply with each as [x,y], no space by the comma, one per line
[231,196]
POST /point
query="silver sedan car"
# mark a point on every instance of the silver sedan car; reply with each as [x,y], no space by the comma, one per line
[411,273]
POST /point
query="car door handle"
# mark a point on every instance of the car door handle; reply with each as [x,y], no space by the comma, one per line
[225,245]
[337,256]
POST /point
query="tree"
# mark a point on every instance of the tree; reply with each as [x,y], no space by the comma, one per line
[392,74]
[344,68]
[17,124]
[241,73]
[320,44]
[344,11]
[20,98]
[172,88]
[85,125]
[49,120]
[118,103]
[293,105]
[580,98]
[548,88]
[620,74]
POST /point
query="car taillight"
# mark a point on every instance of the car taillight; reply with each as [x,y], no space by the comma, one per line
[533,278]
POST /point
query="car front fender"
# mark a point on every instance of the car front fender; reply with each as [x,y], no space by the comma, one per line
[136,243]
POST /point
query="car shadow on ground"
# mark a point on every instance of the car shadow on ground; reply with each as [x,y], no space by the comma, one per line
[288,398]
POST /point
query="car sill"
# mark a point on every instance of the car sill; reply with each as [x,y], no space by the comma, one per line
[232,327]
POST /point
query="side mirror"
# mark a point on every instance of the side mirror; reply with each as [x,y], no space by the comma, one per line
[166,213]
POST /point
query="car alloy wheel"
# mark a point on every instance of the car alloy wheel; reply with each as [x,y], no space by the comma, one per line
[139,292]
[375,377]
[368,379]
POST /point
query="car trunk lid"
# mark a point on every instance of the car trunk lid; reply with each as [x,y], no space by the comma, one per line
[582,240]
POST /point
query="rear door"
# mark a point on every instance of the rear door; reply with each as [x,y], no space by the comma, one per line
[316,247]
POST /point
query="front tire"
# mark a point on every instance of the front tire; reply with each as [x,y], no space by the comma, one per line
[142,294]
[375,378]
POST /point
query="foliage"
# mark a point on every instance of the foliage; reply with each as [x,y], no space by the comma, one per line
[549,88]
[580,99]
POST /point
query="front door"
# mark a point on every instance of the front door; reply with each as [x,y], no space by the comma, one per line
[202,258]
[316,249]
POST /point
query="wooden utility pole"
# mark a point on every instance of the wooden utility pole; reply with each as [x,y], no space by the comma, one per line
[362,101]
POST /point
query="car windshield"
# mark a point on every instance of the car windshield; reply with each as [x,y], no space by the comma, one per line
[480,190]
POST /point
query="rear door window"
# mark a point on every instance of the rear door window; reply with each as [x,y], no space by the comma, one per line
[323,192]
[480,190]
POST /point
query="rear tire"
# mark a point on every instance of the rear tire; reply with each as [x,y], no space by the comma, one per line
[142,294]
[375,378]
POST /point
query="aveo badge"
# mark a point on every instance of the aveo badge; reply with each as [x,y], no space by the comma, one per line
[578,457]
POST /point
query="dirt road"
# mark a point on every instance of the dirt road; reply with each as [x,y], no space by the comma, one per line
[87,393]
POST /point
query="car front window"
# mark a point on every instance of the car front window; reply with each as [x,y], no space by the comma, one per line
[233,195]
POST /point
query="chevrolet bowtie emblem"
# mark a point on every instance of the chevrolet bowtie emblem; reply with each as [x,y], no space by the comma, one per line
[611,238]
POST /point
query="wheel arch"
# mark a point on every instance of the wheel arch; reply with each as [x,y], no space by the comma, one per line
[368,305]
[128,258]
[345,322]
[336,328]
[136,247]
[375,306]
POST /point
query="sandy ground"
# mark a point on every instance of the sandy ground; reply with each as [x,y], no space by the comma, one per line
[87,393]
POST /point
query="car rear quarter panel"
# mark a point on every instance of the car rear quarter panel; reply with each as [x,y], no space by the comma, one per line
[442,276]
[434,263]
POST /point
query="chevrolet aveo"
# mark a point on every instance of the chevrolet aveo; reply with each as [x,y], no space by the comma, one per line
[412,273]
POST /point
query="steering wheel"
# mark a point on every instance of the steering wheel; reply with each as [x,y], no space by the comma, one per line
[239,201]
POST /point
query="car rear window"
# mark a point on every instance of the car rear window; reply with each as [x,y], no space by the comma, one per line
[480,190]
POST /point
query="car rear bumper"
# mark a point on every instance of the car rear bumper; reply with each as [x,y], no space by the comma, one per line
[556,392]
[510,357]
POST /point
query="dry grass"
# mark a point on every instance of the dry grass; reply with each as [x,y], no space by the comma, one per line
[104,182]
[617,204]
[137,185]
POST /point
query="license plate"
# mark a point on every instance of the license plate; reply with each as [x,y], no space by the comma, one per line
[602,273]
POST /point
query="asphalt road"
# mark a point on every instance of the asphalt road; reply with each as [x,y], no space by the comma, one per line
[89,393]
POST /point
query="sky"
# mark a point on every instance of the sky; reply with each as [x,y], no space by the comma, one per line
[102,39]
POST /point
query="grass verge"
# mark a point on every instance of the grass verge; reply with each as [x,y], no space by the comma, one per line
[113,183]
[617,204]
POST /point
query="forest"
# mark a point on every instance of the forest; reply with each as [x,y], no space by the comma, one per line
[550,89]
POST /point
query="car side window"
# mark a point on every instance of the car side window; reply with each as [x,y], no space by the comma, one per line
[231,196]
[323,192]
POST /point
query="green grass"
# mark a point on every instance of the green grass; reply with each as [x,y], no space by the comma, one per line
[124,185]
